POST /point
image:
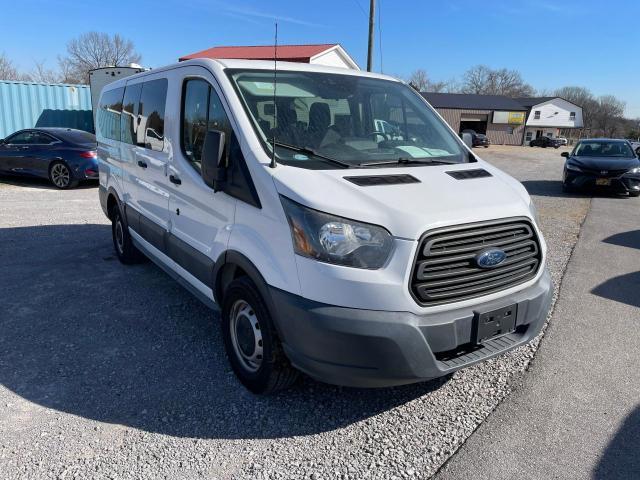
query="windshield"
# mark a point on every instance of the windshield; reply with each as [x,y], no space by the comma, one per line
[603,149]
[350,119]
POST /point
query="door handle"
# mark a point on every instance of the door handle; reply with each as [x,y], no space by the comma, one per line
[142,164]
[174,179]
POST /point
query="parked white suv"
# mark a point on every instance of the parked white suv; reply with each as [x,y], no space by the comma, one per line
[357,256]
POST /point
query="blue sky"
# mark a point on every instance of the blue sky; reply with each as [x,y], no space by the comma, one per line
[590,43]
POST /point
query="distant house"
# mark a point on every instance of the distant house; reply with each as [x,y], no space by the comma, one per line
[328,54]
[505,120]
[500,118]
[546,116]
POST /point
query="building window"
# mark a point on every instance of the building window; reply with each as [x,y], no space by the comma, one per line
[510,130]
[529,136]
[572,116]
[536,115]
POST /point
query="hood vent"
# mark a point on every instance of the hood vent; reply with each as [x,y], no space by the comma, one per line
[469,174]
[374,180]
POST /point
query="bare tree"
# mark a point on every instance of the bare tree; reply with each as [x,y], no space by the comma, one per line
[419,80]
[7,70]
[486,81]
[95,50]
[609,116]
[42,74]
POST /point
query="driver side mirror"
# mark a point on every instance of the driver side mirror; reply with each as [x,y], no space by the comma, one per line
[214,166]
[467,138]
[565,154]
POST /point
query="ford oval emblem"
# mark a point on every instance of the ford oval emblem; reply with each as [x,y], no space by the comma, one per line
[490,258]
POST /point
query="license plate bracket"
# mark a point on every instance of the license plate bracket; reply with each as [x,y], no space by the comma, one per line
[489,325]
[605,182]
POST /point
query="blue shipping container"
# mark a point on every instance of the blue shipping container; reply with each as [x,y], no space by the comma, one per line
[30,105]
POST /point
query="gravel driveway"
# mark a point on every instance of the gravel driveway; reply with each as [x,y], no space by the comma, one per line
[114,372]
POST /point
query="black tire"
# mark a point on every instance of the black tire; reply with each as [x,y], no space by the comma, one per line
[251,341]
[126,251]
[634,194]
[638,151]
[566,188]
[61,175]
[531,145]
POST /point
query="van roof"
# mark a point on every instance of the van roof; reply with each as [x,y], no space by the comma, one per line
[251,64]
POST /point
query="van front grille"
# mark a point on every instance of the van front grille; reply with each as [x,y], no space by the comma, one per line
[446,271]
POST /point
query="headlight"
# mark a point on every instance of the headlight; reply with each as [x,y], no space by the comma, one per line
[337,240]
[635,171]
[575,168]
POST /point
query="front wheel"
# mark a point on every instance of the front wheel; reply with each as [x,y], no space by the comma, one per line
[251,342]
[638,151]
[61,175]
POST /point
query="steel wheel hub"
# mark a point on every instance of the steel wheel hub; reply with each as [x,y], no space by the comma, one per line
[246,335]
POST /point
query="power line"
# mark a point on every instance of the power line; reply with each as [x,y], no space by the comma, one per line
[364,12]
[380,32]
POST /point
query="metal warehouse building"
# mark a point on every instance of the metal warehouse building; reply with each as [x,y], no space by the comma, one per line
[29,105]
[501,118]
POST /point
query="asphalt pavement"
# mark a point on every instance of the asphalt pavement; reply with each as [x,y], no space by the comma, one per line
[576,413]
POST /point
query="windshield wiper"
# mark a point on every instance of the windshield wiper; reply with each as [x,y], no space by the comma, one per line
[408,161]
[309,151]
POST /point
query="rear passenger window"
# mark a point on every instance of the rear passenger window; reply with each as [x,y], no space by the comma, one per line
[129,120]
[151,111]
[108,114]
[202,110]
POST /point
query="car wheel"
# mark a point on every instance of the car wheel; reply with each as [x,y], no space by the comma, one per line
[61,175]
[531,145]
[638,151]
[251,342]
[126,251]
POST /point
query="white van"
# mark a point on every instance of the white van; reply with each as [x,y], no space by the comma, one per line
[358,256]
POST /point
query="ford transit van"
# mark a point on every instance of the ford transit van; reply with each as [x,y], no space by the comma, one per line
[342,228]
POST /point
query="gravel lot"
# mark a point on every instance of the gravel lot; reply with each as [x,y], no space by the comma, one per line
[114,372]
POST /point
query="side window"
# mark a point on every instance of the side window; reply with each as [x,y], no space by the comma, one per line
[152,103]
[108,114]
[129,119]
[202,110]
[42,138]
[194,120]
[22,138]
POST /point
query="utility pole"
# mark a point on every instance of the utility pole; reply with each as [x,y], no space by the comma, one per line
[372,16]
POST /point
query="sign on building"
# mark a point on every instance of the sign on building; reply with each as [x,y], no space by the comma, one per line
[511,118]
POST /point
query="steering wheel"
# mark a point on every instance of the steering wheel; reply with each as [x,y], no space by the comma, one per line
[375,133]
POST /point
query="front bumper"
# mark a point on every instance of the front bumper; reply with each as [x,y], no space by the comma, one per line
[370,348]
[623,184]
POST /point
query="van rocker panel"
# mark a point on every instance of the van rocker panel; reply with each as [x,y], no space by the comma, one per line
[370,348]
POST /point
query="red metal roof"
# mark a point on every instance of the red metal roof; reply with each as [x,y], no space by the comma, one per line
[286,53]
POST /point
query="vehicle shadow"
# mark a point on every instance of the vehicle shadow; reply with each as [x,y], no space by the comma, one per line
[553,188]
[629,239]
[620,459]
[33,182]
[623,289]
[85,335]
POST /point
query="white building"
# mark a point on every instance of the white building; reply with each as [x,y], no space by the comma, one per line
[327,54]
[546,116]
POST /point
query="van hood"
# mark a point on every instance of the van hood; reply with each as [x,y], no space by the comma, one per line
[407,210]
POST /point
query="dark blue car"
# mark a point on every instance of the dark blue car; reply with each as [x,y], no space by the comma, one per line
[63,155]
